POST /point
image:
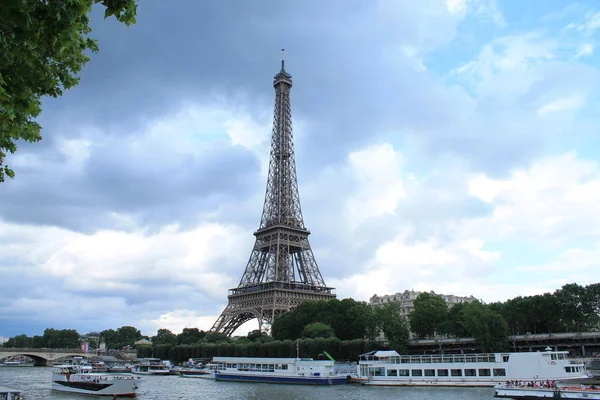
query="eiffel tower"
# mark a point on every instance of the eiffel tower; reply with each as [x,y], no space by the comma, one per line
[281,272]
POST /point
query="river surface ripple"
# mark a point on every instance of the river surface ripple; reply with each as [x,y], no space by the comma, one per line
[35,383]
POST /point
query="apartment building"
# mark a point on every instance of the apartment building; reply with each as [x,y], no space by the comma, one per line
[407,298]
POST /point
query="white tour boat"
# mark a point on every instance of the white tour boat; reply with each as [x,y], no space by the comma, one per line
[536,390]
[79,378]
[206,371]
[10,394]
[278,370]
[151,366]
[391,368]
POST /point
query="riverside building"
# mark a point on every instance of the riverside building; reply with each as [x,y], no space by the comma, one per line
[407,299]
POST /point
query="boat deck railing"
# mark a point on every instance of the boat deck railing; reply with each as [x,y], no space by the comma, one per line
[432,359]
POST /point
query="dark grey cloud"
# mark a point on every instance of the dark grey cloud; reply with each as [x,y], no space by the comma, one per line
[156,189]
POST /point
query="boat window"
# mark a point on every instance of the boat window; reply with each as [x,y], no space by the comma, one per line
[416,372]
[470,372]
[561,357]
[405,360]
[436,359]
[459,359]
[442,372]
[505,358]
[448,359]
[470,358]
[392,372]
[403,372]
[415,360]
[377,371]
[284,366]
[553,356]
[430,372]
[394,360]
[499,372]
[484,372]
[456,372]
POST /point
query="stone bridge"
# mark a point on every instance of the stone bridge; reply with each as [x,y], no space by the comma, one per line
[43,357]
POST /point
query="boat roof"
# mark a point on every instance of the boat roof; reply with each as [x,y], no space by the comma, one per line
[382,353]
[5,390]
[261,360]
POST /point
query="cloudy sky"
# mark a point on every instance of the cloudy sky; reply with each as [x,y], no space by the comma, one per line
[441,145]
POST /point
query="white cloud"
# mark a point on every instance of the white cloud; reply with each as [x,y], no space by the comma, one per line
[573,102]
[589,26]
[554,199]
[586,49]
[508,64]
[377,171]
[419,28]
[551,205]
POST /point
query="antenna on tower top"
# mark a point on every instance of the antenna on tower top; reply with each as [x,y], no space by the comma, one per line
[282,59]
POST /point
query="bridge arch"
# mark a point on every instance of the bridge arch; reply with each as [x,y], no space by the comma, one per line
[43,357]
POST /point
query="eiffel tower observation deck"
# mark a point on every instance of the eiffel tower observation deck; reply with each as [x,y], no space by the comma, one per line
[282,271]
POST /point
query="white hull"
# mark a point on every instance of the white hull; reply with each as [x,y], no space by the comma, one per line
[388,368]
[210,375]
[82,385]
[435,382]
[151,372]
[529,393]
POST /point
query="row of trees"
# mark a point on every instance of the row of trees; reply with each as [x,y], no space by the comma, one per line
[572,308]
[52,338]
[314,348]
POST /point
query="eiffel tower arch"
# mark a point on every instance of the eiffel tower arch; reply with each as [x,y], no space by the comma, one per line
[282,271]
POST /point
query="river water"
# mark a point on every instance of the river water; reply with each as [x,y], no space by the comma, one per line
[35,383]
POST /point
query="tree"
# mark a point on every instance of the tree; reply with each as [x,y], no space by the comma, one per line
[455,322]
[577,308]
[487,327]
[127,336]
[429,314]
[216,337]
[393,325]
[317,330]
[164,336]
[190,336]
[43,45]
[350,319]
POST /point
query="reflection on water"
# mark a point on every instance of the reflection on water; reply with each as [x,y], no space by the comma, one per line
[35,382]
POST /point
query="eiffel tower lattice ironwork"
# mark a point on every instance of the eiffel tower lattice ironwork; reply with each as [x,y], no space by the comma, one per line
[281,272]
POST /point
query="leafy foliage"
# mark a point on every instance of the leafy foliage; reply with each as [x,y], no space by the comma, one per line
[487,327]
[429,315]
[190,336]
[317,330]
[348,318]
[44,45]
[393,325]
[164,336]
[123,336]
